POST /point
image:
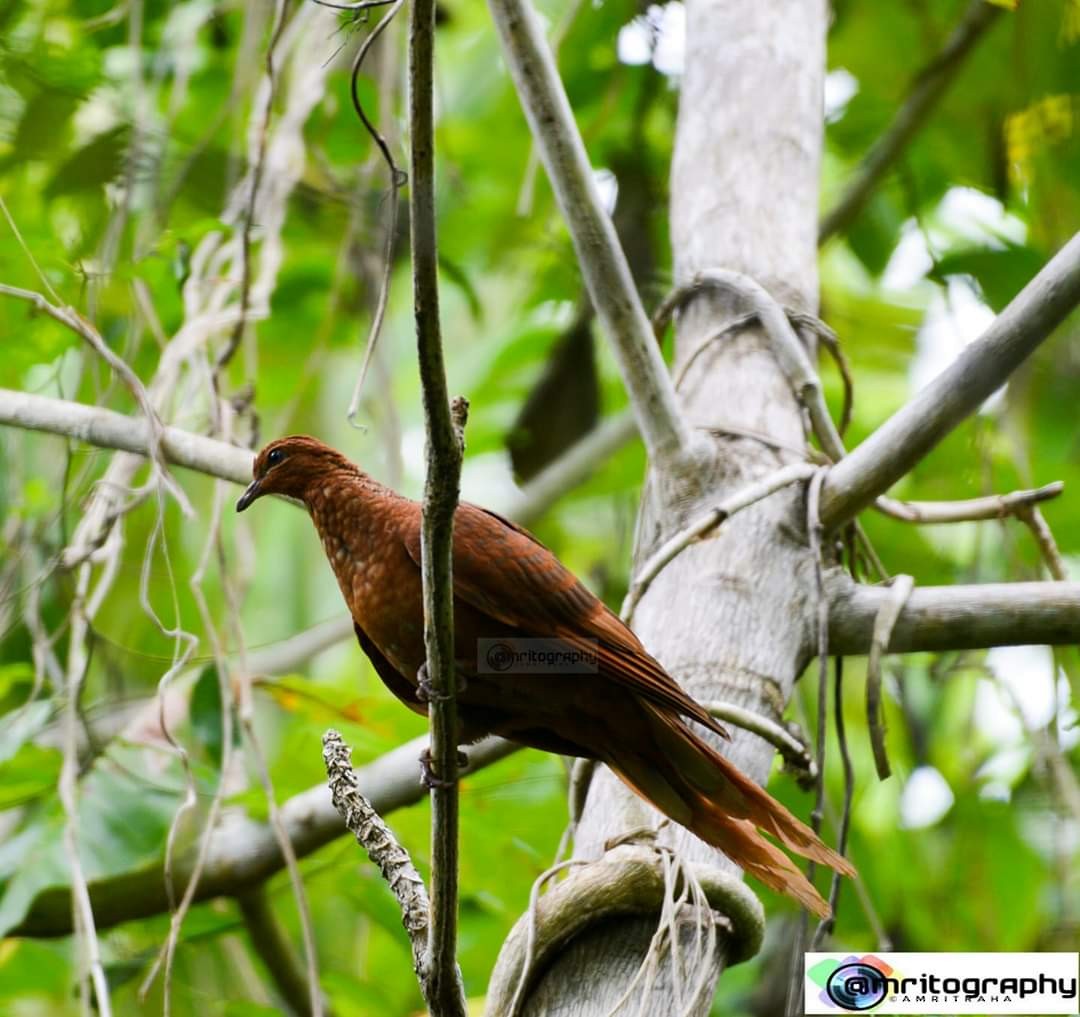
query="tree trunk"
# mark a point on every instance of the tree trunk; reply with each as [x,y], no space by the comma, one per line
[732,617]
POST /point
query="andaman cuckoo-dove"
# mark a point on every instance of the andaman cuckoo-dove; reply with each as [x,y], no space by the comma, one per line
[630,714]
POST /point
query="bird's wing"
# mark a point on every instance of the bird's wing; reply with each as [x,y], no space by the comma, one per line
[504,571]
[396,682]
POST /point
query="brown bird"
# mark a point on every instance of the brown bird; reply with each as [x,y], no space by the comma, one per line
[628,713]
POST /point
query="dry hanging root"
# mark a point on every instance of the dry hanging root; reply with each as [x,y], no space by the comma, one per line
[899,591]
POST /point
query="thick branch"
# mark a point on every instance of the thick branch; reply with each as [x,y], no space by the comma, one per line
[929,87]
[629,881]
[956,617]
[603,264]
[984,366]
[244,852]
[108,429]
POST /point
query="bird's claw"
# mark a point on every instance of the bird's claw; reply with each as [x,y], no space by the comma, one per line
[428,779]
[426,693]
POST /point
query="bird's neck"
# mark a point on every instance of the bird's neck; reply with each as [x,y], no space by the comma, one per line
[350,511]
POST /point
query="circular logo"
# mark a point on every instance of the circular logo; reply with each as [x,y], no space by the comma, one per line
[500,657]
[856,986]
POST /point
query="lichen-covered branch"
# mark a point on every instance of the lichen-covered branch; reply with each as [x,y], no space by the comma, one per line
[383,848]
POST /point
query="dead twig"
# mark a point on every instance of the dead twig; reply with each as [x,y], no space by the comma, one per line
[398,178]
[382,847]
[994,506]
[1030,515]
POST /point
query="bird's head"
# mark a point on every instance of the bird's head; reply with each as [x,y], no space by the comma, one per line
[289,465]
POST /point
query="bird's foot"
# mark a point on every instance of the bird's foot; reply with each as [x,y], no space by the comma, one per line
[426,693]
[428,778]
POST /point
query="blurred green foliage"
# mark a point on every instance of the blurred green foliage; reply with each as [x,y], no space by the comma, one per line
[83,115]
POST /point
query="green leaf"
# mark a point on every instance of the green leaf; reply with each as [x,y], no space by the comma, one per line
[12,675]
[97,163]
[19,726]
[1001,272]
[206,718]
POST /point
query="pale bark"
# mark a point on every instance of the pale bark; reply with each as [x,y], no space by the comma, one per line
[727,616]
[957,617]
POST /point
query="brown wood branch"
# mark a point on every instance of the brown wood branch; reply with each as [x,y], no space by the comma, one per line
[442,985]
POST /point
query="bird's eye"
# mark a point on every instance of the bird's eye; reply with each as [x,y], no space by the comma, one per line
[274,456]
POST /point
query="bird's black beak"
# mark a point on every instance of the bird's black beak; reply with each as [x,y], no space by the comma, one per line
[250,494]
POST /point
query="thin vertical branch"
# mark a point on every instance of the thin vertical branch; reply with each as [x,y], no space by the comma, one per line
[82,913]
[815,532]
[443,987]
[263,133]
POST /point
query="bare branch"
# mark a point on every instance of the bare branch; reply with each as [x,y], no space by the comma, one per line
[994,506]
[292,653]
[928,88]
[1030,515]
[576,465]
[984,366]
[443,988]
[956,617]
[603,264]
[796,754]
[107,429]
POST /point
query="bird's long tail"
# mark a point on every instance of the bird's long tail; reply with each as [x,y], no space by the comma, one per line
[705,792]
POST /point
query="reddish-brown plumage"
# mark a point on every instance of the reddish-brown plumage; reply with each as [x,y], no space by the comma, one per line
[629,714]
